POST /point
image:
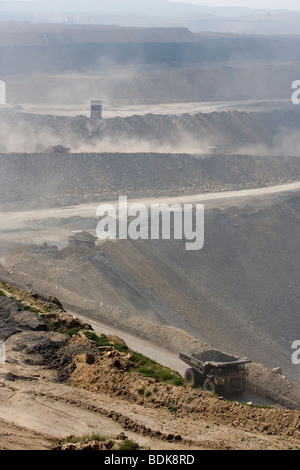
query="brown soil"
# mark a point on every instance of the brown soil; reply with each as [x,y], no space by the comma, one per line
[98,377]
[101,393]
[233,293]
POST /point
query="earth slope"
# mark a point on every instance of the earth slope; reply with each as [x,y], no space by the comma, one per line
[239,292]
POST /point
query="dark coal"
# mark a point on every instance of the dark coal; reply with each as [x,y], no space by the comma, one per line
[14,319]
[214,355]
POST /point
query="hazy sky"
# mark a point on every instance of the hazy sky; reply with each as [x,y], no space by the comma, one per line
[265,4]
[272,4]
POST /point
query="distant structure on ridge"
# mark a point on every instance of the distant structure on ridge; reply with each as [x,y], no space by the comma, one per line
[96,109]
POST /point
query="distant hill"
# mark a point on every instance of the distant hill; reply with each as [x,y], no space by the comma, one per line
[27,48]
[154,13]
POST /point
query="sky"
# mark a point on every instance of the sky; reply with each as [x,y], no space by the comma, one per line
[265,4]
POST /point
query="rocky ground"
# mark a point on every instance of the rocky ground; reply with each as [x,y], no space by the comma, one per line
[272,132]
[62,379]
[239,292]
[34,181]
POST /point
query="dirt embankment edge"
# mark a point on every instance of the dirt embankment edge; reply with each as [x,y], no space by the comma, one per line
[262,380]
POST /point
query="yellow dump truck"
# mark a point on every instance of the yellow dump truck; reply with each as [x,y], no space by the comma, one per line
[216,372]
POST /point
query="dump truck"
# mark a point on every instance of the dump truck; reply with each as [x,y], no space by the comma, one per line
[216,372]
[82,238]
[59,149]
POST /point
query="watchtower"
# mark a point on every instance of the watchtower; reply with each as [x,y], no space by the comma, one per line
[96,109]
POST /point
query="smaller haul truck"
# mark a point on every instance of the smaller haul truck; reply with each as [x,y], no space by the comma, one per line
[216,372]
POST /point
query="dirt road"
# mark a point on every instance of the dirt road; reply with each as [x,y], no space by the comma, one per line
[22,226]
[36,410]
[167,358]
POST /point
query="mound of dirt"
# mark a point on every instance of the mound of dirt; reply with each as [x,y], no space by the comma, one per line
[46,180]
[260,133]
[52,350]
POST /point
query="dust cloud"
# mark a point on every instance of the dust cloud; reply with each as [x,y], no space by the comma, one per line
[23,137]
[188,145]
[285,143]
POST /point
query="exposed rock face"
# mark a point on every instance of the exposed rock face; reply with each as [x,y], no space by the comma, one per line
[14,319]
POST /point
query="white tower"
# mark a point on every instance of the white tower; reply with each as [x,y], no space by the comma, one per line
[2,92]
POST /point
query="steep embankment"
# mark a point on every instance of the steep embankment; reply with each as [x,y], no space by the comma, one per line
[225,132]
[239,292]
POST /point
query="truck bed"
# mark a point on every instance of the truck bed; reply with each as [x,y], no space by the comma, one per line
[213,357]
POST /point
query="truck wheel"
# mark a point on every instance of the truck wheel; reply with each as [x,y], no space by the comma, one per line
[192,377]
[209,385]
